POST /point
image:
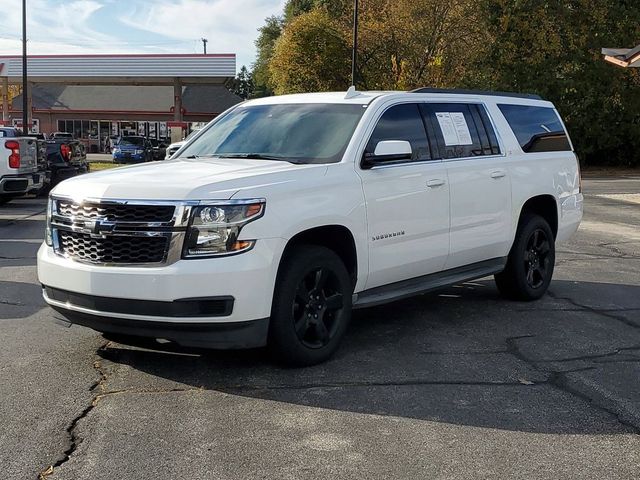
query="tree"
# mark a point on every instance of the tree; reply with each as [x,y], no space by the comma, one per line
[294,8]
[242,85]
[310,55]
[403,44]
[553,49]
[269,33]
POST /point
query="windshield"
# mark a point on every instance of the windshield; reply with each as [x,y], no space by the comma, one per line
[138,141]
[301,133]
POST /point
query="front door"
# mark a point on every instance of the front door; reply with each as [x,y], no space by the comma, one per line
[407,203]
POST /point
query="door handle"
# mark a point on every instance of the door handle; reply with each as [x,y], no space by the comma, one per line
[498,174]
[435,182]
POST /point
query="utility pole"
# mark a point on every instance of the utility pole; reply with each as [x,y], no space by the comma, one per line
[354,53]
[204,44]
[25,101]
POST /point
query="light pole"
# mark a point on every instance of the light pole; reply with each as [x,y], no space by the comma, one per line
[354,53]
[25,102]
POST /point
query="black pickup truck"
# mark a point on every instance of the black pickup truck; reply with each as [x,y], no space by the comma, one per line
[65,158]
[61,157]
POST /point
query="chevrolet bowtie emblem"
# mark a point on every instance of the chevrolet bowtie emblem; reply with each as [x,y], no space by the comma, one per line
[98,227]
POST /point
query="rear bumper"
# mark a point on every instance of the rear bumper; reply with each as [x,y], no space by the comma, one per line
[21,183]
[228,335]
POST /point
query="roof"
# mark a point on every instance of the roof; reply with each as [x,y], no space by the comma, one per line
[365,98]
[124,69]
[623,57]
[209,99]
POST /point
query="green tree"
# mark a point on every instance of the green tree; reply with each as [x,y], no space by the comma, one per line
[403,44]
[310,55]
[553,48]
[242,85]
[269,33]
[294,8]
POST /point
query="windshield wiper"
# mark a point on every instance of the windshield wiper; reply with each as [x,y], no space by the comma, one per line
[259,156]
[191,157]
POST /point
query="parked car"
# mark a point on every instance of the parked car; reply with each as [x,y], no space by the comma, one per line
[62,136]
[20,172]
[159,149]
[132,149]
[174,147]
[66,158]
[285,213]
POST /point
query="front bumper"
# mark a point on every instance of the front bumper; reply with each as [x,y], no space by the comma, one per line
[128,158]
[226,335]
[248,279]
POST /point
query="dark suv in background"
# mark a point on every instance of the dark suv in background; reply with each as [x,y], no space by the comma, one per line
[133,150]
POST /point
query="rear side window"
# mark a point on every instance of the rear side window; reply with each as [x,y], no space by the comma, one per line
[402,122]
[538,129]
[461,130]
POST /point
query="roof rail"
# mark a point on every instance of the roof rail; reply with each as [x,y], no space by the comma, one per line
[458,91]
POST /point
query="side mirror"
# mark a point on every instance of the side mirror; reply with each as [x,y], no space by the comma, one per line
[388,151]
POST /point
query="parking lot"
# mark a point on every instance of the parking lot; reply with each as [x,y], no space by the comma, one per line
[457,384]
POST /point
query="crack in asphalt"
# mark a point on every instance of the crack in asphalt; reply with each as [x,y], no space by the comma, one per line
[559,379]
[71,429]
[9,302]
[98,385]
[556,379]
[597,311]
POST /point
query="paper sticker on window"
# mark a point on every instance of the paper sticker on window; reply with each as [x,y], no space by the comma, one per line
[454,128]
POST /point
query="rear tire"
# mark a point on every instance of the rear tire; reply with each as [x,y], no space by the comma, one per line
[531,261]
[311,306]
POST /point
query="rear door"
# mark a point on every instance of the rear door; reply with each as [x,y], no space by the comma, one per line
[480,187]
[407,202]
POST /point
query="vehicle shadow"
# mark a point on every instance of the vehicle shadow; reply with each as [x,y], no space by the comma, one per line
[462,356]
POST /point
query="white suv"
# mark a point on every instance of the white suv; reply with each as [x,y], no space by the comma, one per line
[285,213]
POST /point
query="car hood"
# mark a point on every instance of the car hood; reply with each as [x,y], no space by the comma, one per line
[182,179]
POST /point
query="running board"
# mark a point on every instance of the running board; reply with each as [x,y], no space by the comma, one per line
[427,283]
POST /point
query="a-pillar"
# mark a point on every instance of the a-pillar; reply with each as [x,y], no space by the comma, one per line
[5,100]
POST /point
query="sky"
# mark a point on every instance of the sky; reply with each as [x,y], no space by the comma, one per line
[135,26]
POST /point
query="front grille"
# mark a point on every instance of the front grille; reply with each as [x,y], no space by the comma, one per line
[117,213]
[112,249]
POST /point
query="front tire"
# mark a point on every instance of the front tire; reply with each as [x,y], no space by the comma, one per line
[531,261]
[311,306]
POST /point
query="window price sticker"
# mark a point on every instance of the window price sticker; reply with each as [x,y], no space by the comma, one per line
[454,128]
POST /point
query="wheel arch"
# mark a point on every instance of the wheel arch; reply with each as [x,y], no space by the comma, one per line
[544,205]
[335,237]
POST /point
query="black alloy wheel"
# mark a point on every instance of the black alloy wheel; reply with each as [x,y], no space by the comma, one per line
[531,261]
[318,307]
[311,306]
[537,258]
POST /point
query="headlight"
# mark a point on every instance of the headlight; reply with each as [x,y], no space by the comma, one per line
[214,229]
[116,150]
[139,152]
[48,238]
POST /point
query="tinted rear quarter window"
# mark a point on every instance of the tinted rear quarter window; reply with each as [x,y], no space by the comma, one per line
[538,129]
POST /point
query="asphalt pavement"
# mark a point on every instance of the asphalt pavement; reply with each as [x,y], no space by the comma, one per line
[458,384]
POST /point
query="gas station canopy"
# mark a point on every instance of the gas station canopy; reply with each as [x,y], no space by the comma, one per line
[121,69]
[623,57]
